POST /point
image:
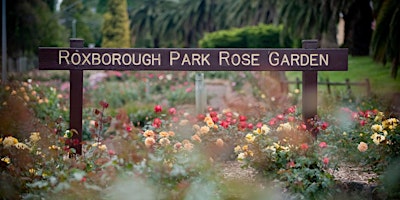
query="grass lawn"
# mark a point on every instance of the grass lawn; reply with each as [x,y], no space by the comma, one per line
[360,68]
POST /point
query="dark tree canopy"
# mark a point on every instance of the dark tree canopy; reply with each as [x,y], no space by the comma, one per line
[31,24]
[386,38]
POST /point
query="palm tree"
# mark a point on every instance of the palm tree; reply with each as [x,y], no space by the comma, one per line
[250,12]
[310,18]
[197,17]
[386,38]
[143,21]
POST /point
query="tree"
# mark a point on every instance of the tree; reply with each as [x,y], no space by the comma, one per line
[318,19]
[81,21]
[144,18]
[31,24]
[115,29]
[386,38]
[358,31]
[310,19]
[250,12]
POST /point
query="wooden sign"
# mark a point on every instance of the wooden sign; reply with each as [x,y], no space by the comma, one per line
[193,59]
[310,59]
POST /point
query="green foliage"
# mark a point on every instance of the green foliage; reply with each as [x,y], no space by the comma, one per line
[372,138]
[115,28]
[386,36]
[31,24]
[260,36]
[360,68]
[282,150]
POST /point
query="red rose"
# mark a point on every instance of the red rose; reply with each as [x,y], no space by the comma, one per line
[225,124]
[324,125]
[323,145]
[242,118]
[304,146]
[157,108]
[213,114]
[172,111]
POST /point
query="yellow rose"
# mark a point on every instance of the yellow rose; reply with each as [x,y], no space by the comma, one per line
[9,141]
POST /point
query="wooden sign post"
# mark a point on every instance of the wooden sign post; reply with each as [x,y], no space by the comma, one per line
[309,59]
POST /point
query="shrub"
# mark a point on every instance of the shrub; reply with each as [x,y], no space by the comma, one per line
[261,36]
[283,149]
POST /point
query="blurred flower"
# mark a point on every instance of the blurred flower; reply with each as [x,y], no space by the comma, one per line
[237,149]
[172,111]
[6,160]
[196,127]
[103,147]
[196,138]
[377,128]
[177,145]
[284,127]
[35,136]
[171,133]
[291,164]
[183,122]
[322,145]
[9,141]
[324,125]
[157,108]
[149,141]
[362,147]
[390,123]
[225,124]
[379,116]
[219,142]
[149,133]
[265,129]
[22,146]
[210,123]
[164,141]
[188,146]
[250,138]
[377,138]
[111,152]
[241,156]
[103,104]
[204,130]
[157,122]
[280,117]
[54,147]
[325,160]
[304,146]
[164,134]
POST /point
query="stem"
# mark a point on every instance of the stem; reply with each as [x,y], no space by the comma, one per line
[100,125]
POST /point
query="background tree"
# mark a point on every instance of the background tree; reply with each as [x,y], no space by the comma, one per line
[81,20]
[115,28]
[143,24]
[250,12]
[31,24]
[386,38]
[358,31]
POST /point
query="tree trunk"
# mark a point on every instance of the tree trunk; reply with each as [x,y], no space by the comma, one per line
[358,31]
[395,66]
[328,38]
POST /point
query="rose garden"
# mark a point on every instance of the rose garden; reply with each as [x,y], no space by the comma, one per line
[199,99]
